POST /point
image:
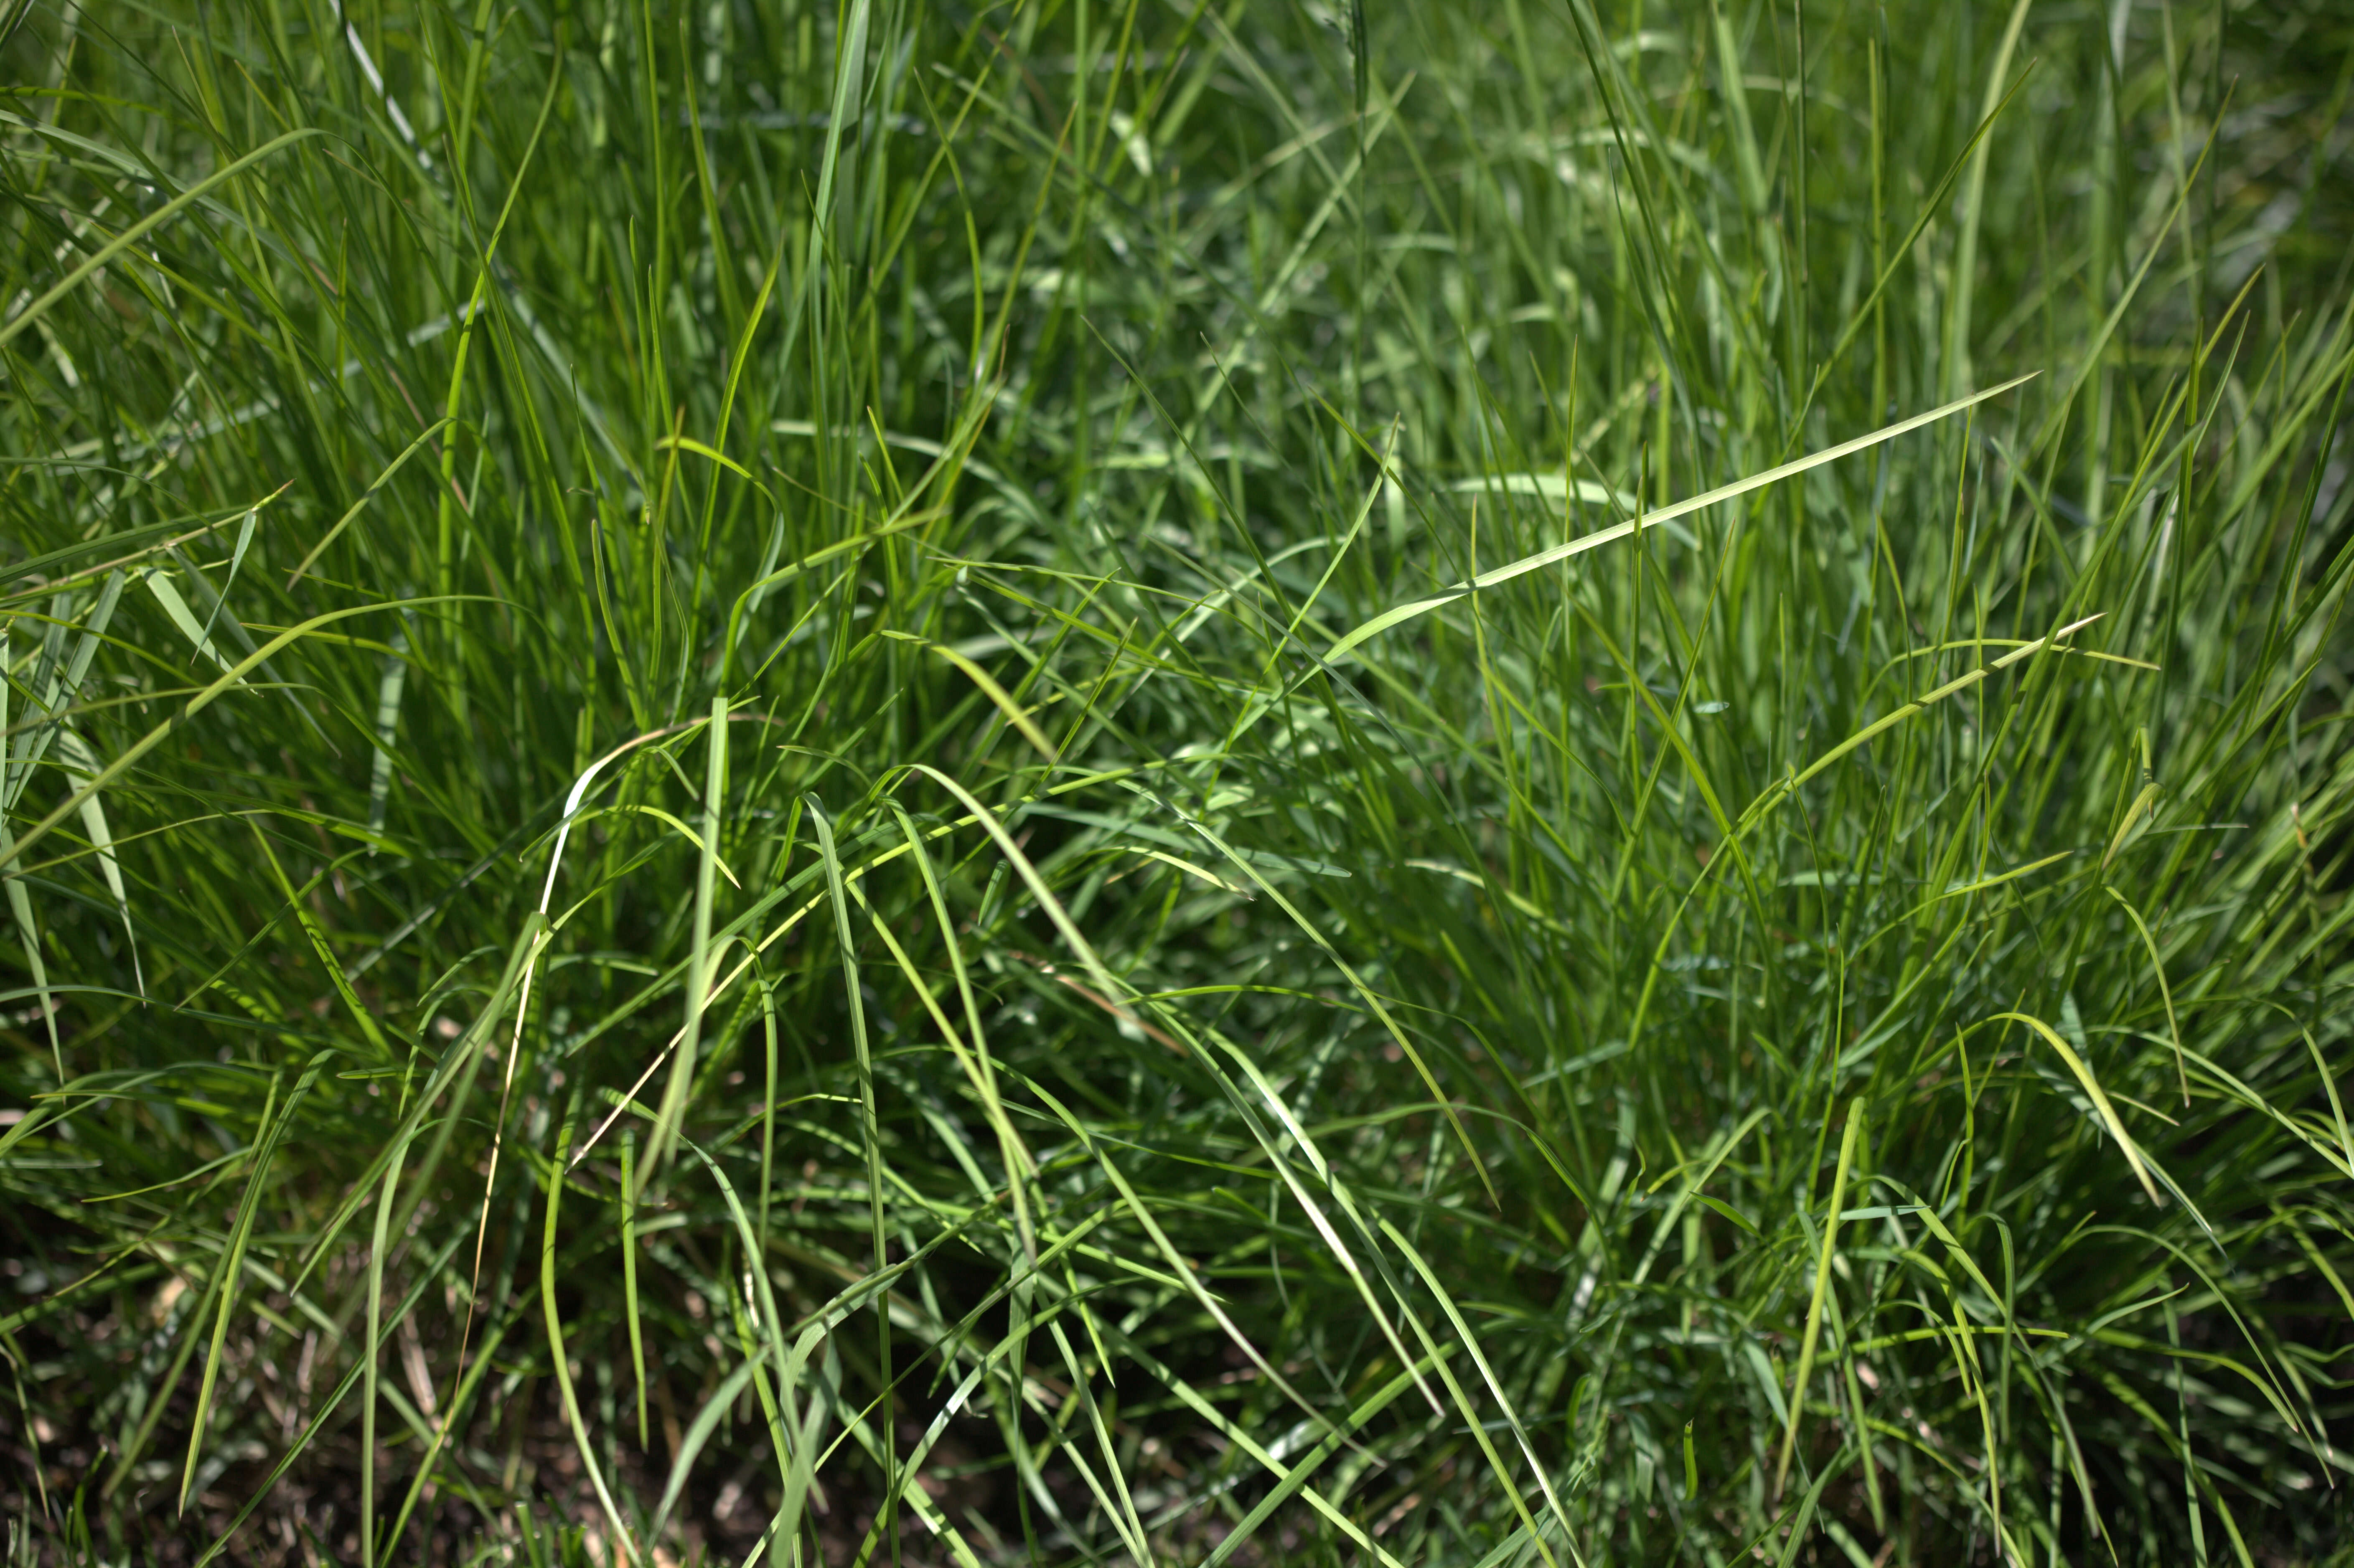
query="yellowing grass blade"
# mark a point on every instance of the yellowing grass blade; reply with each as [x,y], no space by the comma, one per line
[1813,1329]
[2137,817]
[2093,1091]
[1015,714]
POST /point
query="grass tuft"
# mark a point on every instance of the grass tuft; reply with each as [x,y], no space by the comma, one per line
[1086,783]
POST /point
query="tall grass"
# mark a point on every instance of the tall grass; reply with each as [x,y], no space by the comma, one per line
[1176,782]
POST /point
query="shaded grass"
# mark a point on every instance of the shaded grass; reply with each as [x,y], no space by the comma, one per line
[880,782]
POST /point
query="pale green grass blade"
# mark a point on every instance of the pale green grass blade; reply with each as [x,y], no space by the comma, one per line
[381,762]
[56,686]
[29,938]
[20,901]
[204,637]
[1577,546]
[82,761]
[1549,487]
[2093,1092]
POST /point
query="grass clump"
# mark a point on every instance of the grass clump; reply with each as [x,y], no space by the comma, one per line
[1193,783]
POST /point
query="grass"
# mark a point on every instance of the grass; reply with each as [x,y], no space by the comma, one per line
[1062,783]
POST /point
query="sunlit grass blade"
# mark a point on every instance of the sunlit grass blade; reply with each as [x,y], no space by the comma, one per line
[1812,1334]
[1652,519]
[2093,1092]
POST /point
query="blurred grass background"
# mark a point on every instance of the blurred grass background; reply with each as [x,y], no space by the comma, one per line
[962,785]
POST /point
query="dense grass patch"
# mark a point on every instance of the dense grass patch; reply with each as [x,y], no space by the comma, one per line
[1186,782]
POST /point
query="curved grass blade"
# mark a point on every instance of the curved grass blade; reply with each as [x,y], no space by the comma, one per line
[2164,992]
[2093,1092]
[570,1399]
[1814,1329]
[129,237]
[234,677]
[1002,700]
[84,763]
